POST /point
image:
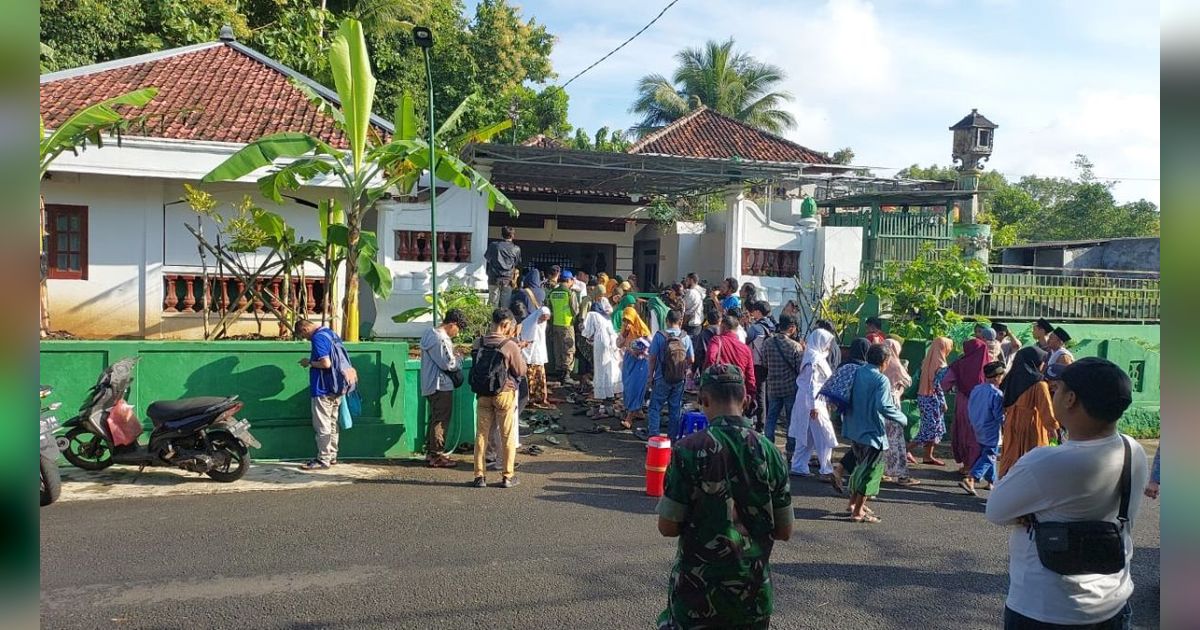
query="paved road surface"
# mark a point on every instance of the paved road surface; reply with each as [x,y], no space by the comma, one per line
[573,547]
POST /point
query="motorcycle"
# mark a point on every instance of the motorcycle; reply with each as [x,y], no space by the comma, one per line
[51,482]
[195,434]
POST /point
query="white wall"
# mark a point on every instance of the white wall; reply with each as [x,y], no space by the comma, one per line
[129,249]
[760,233]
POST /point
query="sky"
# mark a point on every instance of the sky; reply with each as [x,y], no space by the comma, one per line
[888,78]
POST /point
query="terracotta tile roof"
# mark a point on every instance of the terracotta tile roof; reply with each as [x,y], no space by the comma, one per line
[705,133]
[222,92]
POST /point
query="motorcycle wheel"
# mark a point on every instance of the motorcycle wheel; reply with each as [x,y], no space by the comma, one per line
[239,458]
[87,450]
[51,482]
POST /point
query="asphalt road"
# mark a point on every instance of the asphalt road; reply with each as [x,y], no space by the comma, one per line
[574,546]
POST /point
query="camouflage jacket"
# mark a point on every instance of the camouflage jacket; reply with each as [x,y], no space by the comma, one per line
[728,487]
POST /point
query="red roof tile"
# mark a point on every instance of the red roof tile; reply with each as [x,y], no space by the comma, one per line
[705,133]
[219,92]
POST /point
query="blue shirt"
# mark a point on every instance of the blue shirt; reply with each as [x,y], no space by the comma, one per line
[320,381]
[985,408]
[658,348]
[871,404]
[732,301]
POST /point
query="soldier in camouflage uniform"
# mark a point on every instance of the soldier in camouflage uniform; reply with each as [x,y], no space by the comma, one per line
[727,499]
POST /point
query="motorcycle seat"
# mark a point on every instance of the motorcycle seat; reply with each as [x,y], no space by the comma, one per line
[168,410]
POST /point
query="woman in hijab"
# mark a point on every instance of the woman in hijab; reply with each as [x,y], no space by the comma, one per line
[533,331]
[632,328]
[635,374]
[930,399]
[988,335]
[621,300]
[963,376]
[1029,420]
[897,451]
[810,425]
[605,283]
[532,296]
[606,360]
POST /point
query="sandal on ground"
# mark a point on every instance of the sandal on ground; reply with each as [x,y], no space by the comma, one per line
[908,481]
[933,462]
[866,510]
[626,424]
[887,479]
[865,518]
[967,488]
[442,462]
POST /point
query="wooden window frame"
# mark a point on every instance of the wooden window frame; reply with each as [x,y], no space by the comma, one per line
[53,210]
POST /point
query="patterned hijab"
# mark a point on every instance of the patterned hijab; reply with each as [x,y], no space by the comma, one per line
[935,360]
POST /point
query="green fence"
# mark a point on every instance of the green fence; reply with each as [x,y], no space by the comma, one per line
[266,376]
[1065,298]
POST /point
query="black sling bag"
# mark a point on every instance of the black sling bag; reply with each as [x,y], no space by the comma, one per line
[1086,547]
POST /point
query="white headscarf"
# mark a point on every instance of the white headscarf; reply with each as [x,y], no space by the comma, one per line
[816,353]
[534,332]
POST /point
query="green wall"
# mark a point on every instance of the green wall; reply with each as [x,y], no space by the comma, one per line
[266,376]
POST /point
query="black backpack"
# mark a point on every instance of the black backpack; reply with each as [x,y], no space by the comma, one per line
[489,374]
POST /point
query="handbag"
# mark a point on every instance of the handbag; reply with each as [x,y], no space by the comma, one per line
[1086,547]
[345,420]
[836,390]
[456,375]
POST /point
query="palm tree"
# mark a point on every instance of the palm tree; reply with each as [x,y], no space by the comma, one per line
[734,84]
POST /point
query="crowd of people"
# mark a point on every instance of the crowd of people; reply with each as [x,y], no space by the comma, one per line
[1031,424]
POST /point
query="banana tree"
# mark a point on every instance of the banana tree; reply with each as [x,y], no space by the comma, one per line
[366,170]
[86,126]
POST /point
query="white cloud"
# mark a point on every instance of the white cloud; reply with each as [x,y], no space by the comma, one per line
[887,79]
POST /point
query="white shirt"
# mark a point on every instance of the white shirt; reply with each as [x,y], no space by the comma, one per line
[1078,481]
[693,305]
[741,333]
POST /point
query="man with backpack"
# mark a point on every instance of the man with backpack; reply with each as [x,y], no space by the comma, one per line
[671,358]
[761,328]
[498,366]
[330,377]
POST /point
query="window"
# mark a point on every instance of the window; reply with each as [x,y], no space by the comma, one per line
[66,242]
[984,138]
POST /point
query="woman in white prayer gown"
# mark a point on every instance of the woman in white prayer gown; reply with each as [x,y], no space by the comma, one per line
[606,377]
[810,425]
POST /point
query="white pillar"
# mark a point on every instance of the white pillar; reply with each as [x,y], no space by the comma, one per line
[734,232]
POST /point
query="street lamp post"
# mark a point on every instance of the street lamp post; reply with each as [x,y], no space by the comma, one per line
[423,38]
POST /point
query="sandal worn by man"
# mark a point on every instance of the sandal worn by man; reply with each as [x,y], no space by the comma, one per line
[865,518]
[442,462]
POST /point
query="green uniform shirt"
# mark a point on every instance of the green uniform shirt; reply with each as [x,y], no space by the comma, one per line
[728,487]
[564,305]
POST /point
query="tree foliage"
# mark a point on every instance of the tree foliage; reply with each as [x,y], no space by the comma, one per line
[1051,208]
[914,293]
[732,83]
[495,52]
[615,141]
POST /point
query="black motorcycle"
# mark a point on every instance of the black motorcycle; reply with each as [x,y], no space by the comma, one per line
[195,434]
[51,482]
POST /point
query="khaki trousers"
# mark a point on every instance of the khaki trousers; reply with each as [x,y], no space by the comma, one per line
[496,411]
[563,338]
[325,424]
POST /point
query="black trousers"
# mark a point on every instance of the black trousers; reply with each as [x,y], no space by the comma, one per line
[1014,620]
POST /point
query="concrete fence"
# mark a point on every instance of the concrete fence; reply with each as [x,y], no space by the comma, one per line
[266,376]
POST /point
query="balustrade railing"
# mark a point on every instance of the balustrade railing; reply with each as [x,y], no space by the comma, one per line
[188,293]
[770,263]
[416,246]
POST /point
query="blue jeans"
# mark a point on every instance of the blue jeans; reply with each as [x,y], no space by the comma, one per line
[664,392]
[775,406]
[1016,621]
[985,466]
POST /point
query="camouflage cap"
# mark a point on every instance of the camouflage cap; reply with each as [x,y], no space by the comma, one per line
[723,373]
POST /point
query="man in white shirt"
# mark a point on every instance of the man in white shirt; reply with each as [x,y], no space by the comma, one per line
[1077,481]
[693,305]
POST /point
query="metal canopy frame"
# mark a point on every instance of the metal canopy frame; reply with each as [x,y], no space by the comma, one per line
[572,171]
[919,198]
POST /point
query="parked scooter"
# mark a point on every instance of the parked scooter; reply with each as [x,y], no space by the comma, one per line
[196,434]
[51,483]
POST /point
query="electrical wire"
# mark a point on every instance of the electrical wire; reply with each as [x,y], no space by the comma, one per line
[613,51]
